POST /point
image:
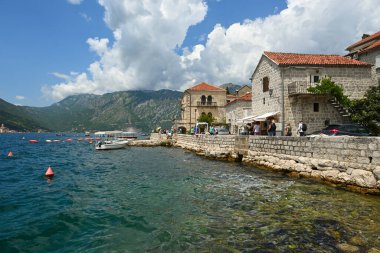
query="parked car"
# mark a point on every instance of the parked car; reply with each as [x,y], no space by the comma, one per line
[345,129]
[223,131]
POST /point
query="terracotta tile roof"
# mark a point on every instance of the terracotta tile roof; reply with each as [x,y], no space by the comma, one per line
[206,86]
[313,59]
[246,97]
[373,46]
[372,37]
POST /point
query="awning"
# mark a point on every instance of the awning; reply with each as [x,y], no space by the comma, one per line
[264,116]
[246,119]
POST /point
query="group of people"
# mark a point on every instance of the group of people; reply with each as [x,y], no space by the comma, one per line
[301,129]
[271,128]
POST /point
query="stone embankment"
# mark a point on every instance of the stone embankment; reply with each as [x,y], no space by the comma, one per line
[350,161]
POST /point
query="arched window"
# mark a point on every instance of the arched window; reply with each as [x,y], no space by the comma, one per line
[265,84]
[209,114]
[203,113]
[203,100]
[209,100]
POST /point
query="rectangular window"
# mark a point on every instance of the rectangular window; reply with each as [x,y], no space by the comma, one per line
[316,107]
[314,79]
[265,84]
[264,101]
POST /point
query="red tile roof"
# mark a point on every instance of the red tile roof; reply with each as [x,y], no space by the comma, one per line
[372,37]
[246,97]
[313,59]
[206,86]
[373,46]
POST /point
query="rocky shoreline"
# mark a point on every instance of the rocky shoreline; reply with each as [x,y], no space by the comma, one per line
[355,174]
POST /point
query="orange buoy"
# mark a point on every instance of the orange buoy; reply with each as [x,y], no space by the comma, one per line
[10,154]
[49,172]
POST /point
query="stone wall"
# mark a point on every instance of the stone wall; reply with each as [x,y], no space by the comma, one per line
[235,111]
[351,161]
[217,146]
[348,160]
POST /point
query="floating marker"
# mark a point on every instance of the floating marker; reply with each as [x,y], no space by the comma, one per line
[33,141]
[10,154]
[49,172]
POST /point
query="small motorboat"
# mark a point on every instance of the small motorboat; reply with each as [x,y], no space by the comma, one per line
[33,141]
[107,145]
[108,140]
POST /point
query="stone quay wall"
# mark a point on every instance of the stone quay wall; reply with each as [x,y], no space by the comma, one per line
[350,161]
[216,146]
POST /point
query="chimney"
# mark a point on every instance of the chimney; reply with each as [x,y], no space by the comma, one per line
[365,36]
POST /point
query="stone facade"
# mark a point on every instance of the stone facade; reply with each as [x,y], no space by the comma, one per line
[235,111]
[243,90]
[372,57]
[352,161]
[314,110]
[368,50]
[196,102]
[4,129]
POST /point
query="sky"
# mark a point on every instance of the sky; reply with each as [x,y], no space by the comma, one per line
[53,49]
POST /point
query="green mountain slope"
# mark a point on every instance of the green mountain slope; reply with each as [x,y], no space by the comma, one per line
[15,118]
[141,110]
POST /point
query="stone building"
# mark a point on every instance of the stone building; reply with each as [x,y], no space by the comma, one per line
[280,82]
[243,90]
[368,50]
[201,99]
[4,129]
[236,110]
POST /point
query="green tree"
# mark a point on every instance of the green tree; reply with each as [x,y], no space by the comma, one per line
[326,86]
[206,118]
[366,111]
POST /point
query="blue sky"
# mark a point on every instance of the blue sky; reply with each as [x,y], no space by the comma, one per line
[53,49]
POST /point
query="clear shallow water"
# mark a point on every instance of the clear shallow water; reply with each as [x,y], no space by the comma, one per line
[167,200]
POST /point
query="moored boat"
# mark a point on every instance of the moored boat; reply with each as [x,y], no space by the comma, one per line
[108,140]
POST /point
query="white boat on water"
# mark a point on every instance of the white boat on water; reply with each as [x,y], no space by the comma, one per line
[109,140]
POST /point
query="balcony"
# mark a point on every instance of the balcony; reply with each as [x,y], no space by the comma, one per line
[206,104]
[299,88]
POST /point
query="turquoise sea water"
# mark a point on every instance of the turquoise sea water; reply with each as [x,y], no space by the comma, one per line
[167,200]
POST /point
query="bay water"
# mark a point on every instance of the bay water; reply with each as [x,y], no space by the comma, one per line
[142,199]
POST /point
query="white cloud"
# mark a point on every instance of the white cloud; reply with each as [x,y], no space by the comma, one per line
[20,97]
[75,1]
[85,17]
[147,34]
[61,76]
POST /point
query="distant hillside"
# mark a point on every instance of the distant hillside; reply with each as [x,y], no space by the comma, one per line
[15,118]
[141,110]
[231,87]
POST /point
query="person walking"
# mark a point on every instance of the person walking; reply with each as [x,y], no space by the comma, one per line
[272,128]
[256,128]
[302,128]
[288,130]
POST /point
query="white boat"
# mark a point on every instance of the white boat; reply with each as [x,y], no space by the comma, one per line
[109,140]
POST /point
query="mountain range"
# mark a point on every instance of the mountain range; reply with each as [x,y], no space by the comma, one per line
[141,110]
[137,110]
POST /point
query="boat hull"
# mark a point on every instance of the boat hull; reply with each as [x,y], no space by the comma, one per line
[112,145]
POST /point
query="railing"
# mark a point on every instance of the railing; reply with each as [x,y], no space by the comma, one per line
[299,87]
[206,104]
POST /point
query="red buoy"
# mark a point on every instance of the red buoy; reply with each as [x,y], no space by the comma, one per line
[10,154]
[33,141]
[49,172]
